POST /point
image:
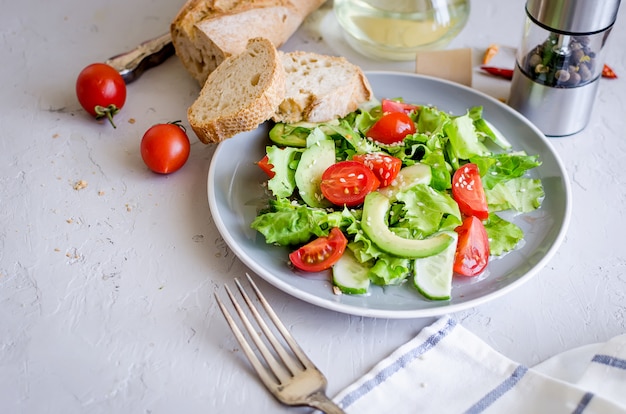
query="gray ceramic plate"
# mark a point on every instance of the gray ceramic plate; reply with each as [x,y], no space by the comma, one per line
[235,194]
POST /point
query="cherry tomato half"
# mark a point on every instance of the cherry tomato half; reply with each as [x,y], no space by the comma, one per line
[347,183]
[101,91]
[391,128]
[321,253]
[165,147]
[265,165]
[472,250]
[389,105]
[468,192]
[384,166]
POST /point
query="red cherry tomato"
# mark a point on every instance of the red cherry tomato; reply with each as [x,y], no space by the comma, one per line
[389,105]
[101,91]
[391,128]
[165,147]
[265,165]
[347,183]
[468,192]
[472,251]
[321,253]
[384,166]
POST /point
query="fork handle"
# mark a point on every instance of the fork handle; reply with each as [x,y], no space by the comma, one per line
[320,401]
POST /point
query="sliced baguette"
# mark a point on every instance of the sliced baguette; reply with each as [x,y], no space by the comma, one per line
[205,32]
[243,92]
[320,88]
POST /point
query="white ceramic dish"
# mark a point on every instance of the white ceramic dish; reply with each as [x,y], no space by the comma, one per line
[235,194]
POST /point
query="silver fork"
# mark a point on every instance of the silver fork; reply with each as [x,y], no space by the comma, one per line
[295,381]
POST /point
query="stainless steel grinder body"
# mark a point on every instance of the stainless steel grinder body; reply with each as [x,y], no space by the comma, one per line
[559,64]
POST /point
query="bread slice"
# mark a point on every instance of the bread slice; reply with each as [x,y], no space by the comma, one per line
[243,92]
[320,88]
[206,32]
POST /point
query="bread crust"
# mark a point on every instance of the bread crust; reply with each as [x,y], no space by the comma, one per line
[240,94]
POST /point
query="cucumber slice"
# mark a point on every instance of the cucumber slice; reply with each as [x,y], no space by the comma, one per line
[350,275]
[433,274]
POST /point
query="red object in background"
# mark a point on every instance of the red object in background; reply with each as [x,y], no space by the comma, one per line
[607,72]
[500,72]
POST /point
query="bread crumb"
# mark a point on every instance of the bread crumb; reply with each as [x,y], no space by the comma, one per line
[80,184]
[128,207]
[100,193]
[56,249]
[131,120]
[55,136]
[69,221]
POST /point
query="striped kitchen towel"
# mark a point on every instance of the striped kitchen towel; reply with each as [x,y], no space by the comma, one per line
[447,369]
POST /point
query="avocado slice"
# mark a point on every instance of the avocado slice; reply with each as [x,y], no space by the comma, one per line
[288,135]
[312,165]
[374,225]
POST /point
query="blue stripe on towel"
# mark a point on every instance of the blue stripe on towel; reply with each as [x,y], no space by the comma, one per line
[610,361]
[499,391]
[398,364]
[584,402]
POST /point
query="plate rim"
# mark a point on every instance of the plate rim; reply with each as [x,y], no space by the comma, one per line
[412,313]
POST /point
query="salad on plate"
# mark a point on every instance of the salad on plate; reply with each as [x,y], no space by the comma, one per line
[395,192]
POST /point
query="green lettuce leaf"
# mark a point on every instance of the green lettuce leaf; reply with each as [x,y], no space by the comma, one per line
[426,211]
[502,167]
[464,140]
[389,270]
[287,223]
[503,235]
[520,194]
[285,161]
[486,130]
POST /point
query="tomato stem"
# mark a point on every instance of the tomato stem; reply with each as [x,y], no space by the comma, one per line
[178,124]
[109,112]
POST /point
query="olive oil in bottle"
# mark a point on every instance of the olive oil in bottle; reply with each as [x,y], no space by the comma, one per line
[397,30]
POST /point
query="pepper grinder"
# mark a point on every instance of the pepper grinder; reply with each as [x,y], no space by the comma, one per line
[560,61]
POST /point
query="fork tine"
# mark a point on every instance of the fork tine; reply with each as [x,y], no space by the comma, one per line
[267,379]
[297,350]
[287,359]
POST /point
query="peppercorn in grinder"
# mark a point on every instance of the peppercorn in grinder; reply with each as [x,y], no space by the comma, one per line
[559,63]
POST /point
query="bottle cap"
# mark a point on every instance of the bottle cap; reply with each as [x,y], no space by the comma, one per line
[574,16]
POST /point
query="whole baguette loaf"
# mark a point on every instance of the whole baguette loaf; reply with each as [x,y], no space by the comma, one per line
[206,32]
[320,88]
[243,92]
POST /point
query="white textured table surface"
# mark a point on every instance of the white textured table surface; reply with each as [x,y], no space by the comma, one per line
[106,293]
